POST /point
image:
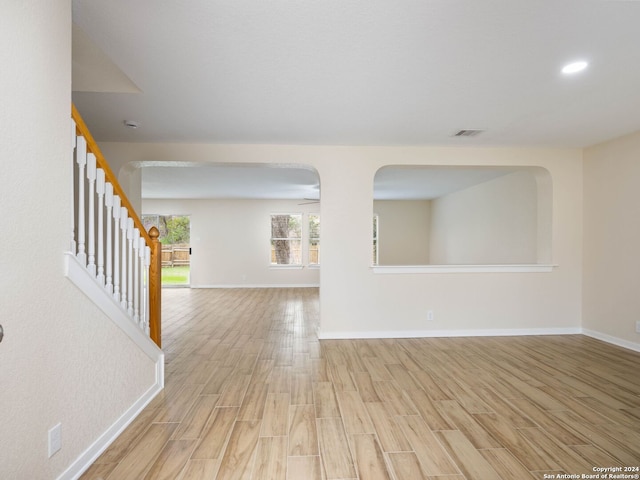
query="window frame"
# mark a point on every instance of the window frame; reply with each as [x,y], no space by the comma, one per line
[376,240]
[304,240]
[311,239]
[299,239]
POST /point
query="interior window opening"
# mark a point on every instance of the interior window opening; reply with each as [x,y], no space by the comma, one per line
[462,215]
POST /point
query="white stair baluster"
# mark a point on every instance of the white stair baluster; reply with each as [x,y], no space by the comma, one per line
[124,215]
[73,244]
[130,261]
[104,237]
[146,261]
[100,190]
[116,247]
[108,203]
[136,275]
[91,210]
[81,160]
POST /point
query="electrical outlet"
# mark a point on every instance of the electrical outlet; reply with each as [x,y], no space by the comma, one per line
[430,316]
[55,439]
[638,327]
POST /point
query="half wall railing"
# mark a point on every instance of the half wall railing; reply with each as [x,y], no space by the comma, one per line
[107,236]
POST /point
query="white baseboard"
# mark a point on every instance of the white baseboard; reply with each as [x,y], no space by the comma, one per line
[479,333]
[86,459]
[448,333]
[613,340]
[261,285]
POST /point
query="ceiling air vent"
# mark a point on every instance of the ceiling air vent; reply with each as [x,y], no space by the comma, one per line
[467,133]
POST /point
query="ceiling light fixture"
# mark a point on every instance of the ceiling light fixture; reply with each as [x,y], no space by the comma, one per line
[131,124]
[574,67]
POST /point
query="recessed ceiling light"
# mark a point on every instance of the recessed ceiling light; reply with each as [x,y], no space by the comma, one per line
[131,124]
[574,67]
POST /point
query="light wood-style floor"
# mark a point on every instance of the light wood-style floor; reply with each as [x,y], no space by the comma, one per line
[252,394]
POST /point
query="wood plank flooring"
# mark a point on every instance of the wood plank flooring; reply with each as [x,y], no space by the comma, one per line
[251,393]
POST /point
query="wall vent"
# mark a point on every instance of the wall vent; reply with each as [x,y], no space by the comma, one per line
[469,132]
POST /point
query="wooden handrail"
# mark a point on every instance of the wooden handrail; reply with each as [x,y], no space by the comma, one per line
[92,147]
[151,238]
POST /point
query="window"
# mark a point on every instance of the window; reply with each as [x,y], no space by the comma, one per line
[314,239]
[286,239]
[295,238]
[375,239]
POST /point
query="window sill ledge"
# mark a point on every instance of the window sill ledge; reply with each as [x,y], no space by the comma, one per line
[295,267]
[421,269]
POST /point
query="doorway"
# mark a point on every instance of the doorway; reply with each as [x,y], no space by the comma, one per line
[175,233]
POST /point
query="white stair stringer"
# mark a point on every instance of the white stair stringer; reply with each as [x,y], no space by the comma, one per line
[82,278]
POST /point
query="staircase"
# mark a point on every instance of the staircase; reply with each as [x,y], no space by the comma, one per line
[111,258]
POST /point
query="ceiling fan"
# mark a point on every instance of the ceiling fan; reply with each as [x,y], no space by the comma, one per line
[310,201]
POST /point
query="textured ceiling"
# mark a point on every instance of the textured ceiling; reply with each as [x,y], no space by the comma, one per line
[191,181]
[366,72]
[356,72]
[229,181]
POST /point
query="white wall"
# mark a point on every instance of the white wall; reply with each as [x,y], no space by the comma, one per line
[494,222]
[230,241]
[612,238]
[355,301]
[61,360]
[403,231]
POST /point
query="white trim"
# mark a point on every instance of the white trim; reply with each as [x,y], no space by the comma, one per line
[90,455]
[449,333]
[78,274]
[290,266]
[404,269]
[245,285]
[613,340]
[480,333]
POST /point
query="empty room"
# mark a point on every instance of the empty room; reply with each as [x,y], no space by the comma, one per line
[410,232]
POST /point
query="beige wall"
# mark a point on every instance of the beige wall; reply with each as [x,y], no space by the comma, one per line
[230,241]
[612,238]
[494,222]
[403,229]
[355,301]
[61,360]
